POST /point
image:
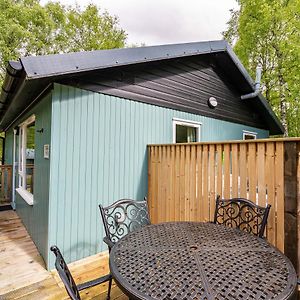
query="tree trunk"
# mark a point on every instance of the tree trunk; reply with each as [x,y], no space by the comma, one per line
[282,85]
[283,107]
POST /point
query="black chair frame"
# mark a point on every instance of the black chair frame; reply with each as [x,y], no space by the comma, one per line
[122,217]
[241,213]
[67,279]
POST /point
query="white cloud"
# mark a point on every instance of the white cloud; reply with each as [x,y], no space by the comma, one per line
[168,21]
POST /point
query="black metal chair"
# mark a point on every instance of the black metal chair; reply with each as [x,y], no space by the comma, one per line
[243,214]
[67,279]
[123,217]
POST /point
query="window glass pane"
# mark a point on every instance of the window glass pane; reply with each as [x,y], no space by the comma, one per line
[30,149]
[249,137]
[20,150]
[20,181]
[185,134]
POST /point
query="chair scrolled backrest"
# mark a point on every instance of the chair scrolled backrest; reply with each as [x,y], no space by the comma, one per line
[243,214]
[123,217]
[65,274]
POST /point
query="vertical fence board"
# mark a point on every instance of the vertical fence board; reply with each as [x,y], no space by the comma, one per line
[152,189]
[220,170]
[235,174]
[205,184]
[200,207]
[3,181]
[279,188]
[252,174]
[261,174]
[187,182]
[298,207]
[159,184]
[177,183]
[151,183]
[167,179]
[270,182]
[172,184]
[227,171]
[212,193]
[164,165]
[193,206]
[243,170]
[6,182]
[182,183]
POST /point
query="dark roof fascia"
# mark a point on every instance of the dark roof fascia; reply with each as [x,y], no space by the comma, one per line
[24,89]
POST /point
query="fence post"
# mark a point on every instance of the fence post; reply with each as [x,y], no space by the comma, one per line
[298,206]
[291,162]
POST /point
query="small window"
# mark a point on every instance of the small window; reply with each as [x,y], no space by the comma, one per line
[185,131]
[248,135]
[26,159]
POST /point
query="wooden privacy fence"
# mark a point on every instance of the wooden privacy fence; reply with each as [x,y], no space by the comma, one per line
[5,183]
[184,179]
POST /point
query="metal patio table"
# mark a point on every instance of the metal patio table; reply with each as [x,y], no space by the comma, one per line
[191,260]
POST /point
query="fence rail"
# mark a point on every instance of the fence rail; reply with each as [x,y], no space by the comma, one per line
[184,180]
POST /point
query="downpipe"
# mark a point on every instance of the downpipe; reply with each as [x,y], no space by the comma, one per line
[256,85]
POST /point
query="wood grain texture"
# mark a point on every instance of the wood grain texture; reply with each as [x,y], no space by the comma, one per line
[6,181]
[270,183]
[253,170]
[23,274]
[279,190]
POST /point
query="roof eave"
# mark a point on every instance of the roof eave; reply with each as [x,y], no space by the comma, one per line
[20,72]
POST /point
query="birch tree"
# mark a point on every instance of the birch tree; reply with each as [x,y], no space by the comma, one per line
[267,32]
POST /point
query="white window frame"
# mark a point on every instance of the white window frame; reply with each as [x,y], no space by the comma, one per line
[188,123]
[22,188]
[250,133]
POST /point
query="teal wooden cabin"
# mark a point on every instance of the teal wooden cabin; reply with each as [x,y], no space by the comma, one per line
[77,126]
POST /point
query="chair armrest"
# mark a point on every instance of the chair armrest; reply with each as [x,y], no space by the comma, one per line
[94,282]
[108,242]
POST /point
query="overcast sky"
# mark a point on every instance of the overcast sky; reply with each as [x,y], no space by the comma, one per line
[156,22]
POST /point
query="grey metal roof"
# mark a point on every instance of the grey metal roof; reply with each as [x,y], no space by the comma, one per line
[70,63]
[28,77]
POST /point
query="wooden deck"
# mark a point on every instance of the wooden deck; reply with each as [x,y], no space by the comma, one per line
[23,275]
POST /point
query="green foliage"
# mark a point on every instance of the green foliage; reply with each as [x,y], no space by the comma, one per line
[30,136]
[28,28]
[267,32]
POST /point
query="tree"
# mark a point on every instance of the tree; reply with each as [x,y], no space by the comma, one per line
[28,28]
[267,32]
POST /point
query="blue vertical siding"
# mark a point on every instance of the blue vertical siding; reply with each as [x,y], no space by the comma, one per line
[35,217]
[98,155]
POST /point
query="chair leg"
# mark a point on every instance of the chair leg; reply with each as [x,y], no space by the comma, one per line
[109,288]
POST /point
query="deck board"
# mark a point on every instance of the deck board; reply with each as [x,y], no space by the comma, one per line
[23,274]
